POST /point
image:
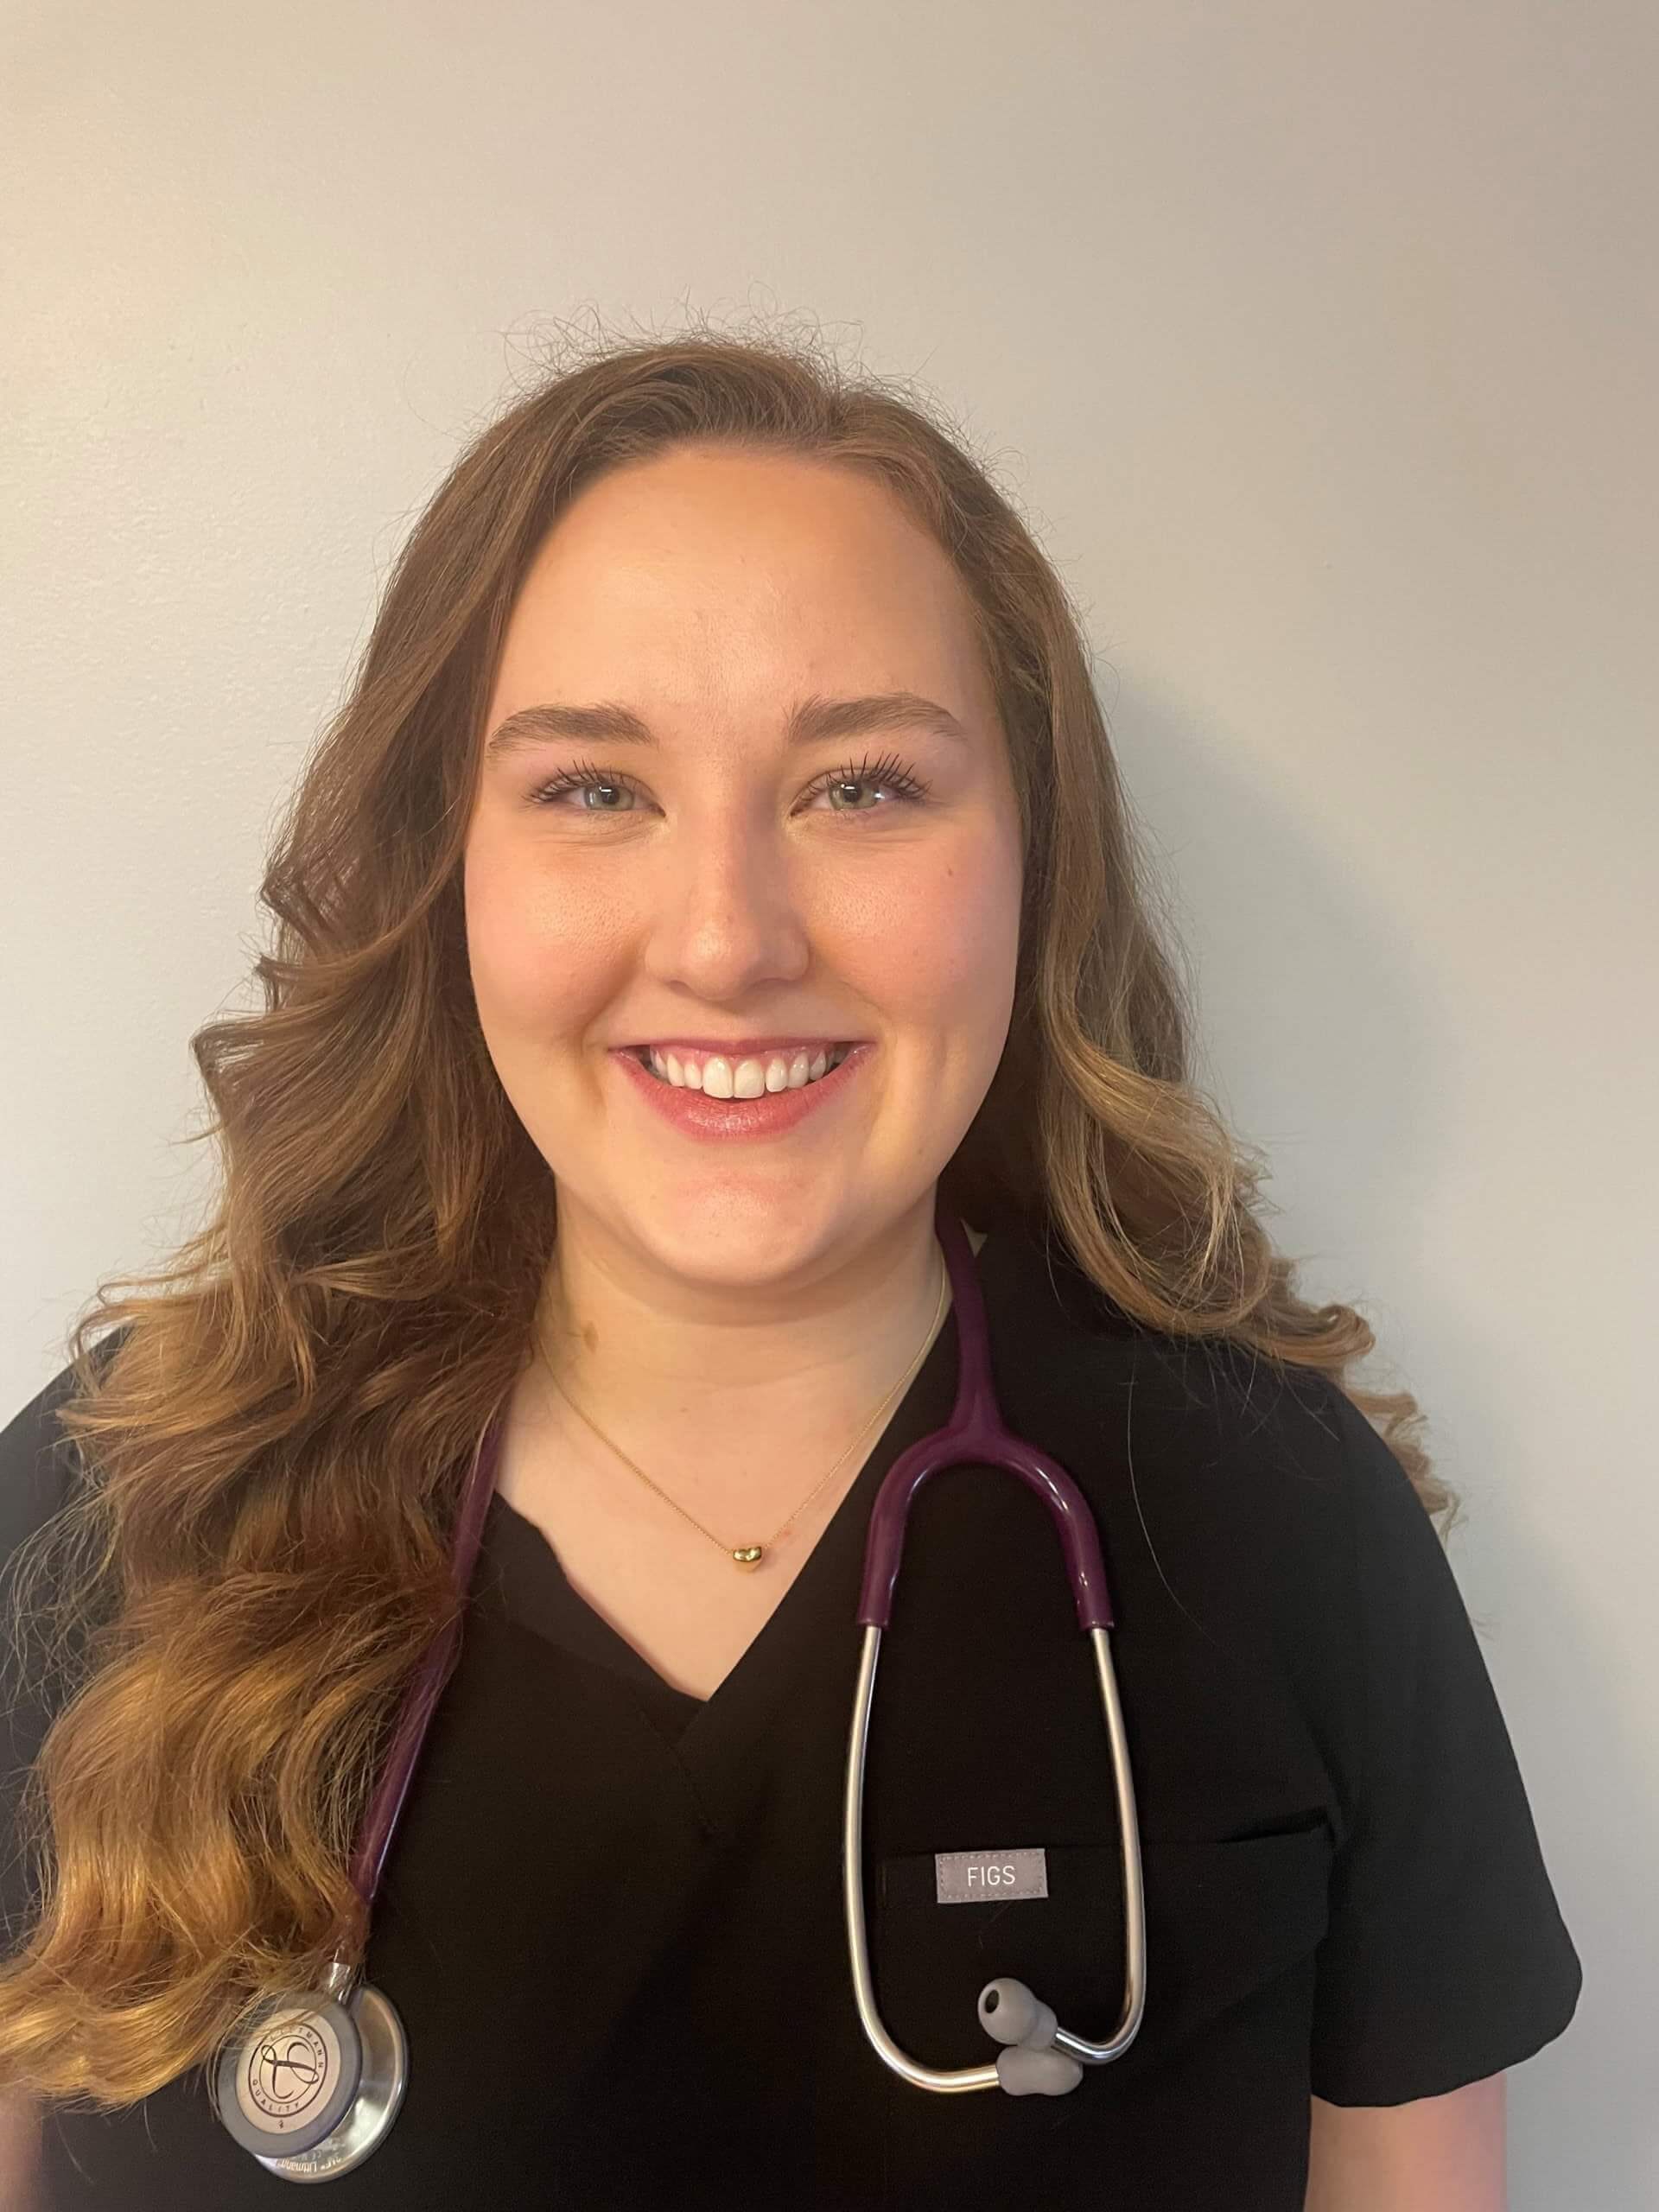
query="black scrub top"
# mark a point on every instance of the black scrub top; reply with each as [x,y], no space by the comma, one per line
[612,1918]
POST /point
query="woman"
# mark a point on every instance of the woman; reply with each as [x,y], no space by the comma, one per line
[723,734]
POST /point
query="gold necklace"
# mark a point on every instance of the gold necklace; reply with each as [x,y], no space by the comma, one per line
[749,1557]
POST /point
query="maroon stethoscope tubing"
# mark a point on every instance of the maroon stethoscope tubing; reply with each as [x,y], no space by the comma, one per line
[975,1435]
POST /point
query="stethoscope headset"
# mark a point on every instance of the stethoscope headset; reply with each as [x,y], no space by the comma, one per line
[315,2084]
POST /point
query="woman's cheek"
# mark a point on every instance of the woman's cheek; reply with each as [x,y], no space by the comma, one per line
[957,920]
[523,948]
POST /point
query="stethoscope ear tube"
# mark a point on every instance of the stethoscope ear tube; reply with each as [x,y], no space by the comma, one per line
[852,1882]
[1031,2061]
[1028,2028]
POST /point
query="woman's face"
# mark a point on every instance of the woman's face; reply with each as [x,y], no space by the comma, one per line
[718,881]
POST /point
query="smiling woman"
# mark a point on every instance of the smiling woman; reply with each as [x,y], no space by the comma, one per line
[716,895]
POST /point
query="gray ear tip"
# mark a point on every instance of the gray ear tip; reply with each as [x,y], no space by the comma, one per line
[1007,2010]
[1011,2013]
[1048,2073]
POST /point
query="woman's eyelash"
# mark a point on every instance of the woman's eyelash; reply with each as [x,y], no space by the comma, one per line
[889,774]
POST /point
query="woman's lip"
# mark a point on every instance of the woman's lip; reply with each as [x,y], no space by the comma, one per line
[751,1051]
[719,1121]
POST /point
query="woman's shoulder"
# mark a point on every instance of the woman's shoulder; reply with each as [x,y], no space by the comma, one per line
[1265,1493]
[1204,1420]
[37,1463]
[40,1461]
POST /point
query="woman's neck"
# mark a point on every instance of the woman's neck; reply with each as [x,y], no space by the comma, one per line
[712,1386]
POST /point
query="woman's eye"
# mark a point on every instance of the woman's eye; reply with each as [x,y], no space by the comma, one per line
[581,778]
[889,774]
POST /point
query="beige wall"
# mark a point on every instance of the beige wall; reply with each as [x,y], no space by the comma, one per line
[1320,343]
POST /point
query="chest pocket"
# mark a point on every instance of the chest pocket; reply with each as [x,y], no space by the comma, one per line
[1224,1916]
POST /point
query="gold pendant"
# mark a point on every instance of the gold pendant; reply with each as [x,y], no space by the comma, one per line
[749,1557]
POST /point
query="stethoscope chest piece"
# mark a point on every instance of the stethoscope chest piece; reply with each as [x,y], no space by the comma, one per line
[314,2085]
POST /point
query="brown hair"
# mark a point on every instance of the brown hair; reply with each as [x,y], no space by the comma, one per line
[259,1555]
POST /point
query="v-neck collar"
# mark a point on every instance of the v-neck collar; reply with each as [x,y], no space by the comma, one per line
[714,1739]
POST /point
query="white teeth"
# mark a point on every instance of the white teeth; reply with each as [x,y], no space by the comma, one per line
[722,1077]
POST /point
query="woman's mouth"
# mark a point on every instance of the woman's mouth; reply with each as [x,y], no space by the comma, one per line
[703,1114]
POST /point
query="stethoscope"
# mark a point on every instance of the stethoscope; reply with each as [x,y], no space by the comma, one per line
[314,2085]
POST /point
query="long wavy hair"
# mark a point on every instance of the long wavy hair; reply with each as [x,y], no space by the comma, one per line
[272,1437]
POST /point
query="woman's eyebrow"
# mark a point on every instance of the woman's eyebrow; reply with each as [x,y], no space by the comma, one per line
[810,721]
